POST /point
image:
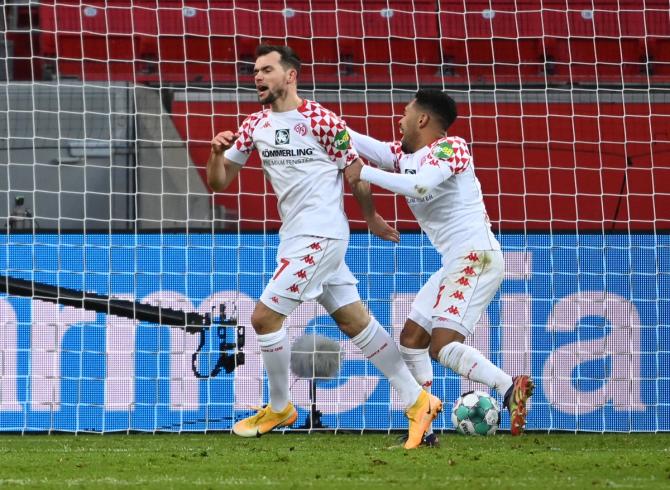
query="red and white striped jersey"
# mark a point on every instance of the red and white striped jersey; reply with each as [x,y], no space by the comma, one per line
[302,152]
[440,186]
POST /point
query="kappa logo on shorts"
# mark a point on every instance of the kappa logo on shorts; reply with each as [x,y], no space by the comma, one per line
[463,281]
[282,137]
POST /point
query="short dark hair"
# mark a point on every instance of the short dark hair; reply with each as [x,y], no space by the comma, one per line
[288,58]
[439,104]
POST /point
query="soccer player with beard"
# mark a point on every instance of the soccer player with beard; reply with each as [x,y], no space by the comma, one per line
[304,148]
[436,174]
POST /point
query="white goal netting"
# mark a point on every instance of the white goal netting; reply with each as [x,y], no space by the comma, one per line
[106,113]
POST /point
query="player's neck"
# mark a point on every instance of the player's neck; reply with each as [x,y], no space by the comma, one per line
[428,138]
[289,102]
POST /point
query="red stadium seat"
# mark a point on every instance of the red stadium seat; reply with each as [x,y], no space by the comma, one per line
[346,40]
[659,56]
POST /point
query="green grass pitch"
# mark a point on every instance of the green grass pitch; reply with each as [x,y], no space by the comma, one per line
[347,461]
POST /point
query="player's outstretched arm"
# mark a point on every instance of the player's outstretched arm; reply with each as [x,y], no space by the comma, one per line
[376,224]
[221,171]
[377,152]
[410,185]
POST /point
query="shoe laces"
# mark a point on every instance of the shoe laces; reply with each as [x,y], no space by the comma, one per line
[261,412]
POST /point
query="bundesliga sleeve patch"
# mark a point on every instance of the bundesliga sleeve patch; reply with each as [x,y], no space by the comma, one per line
[443,151]
[342,140]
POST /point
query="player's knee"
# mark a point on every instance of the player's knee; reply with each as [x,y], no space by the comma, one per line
[434,351]
[353,326]
[257,321]
[414,336]
[414,339]
[265,321]
[437,344]
[352,319]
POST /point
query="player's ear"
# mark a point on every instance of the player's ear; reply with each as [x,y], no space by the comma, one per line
[292,75]
[424,120]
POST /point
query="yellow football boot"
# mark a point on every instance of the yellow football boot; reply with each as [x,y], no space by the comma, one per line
[265,420]
[420,416]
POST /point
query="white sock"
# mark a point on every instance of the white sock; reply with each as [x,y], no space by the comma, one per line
[378,346]
[471,364]
[276,352]
[418,363]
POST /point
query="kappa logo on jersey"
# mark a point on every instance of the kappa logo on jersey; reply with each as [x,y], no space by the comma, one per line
[444,151]
[342,140]
[282,137]
[266,125]
[300,128]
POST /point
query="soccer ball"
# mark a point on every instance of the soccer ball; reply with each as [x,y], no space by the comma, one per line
[476,414]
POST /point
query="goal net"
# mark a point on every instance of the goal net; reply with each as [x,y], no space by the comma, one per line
[107,109]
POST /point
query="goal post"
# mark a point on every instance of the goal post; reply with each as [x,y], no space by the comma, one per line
[107,109]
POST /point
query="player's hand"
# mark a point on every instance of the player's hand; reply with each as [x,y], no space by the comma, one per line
[379,227]
[353,172]
[222,141]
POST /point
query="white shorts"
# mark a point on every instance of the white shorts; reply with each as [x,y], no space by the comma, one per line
[310,267]
[456,296]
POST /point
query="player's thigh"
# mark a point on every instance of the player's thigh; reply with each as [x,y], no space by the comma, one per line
[339,290]
[304,265]
[468,285]
[421,313]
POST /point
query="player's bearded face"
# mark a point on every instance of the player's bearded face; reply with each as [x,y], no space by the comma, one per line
[270,78]
[270,95]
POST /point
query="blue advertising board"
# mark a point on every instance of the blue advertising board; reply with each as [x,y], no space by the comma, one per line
[588,316]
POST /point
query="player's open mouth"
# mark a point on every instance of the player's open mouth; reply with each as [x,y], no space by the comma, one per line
[261,90]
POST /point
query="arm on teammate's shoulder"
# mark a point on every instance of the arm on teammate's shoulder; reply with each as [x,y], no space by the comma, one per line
[411,185]
[378,152]
[220,170]
[376,224]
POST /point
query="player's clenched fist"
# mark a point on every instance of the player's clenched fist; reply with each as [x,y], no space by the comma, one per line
[353,172]
[222,141]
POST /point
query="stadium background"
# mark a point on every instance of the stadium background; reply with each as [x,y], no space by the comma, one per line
[109,108]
